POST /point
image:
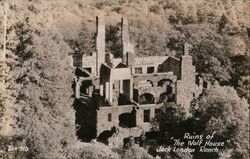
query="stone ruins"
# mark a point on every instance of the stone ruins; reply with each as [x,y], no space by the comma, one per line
[128,92]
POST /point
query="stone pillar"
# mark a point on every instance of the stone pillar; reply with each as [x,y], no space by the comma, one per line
[186,48]
[107,90]
[139,117]
[130,58]
[91,89]
[152,114]
[186,86]
[155,97]
[94,65]
[155,69]
[101,90]
[131,89]
[200,82]
[125,39]
[77,88]
[100,43]
[121,86]
[144,70]
[187,68]
[111,92]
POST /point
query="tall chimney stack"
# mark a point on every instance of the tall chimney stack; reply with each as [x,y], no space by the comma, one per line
[125,39]
[100,43]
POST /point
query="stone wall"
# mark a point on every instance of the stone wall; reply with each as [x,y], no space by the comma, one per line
[103,122]
[155,78]
[171,65]
[146,126]
[155,91]
[186,85]
[89,62]
[120,74]
[150,60]
[102,119]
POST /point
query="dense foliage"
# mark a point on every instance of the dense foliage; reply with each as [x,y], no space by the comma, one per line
[221,111]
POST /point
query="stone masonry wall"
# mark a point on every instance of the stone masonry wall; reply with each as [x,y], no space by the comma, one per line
[186,86]
[102,119]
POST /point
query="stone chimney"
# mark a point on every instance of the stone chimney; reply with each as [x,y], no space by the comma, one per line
[130,58]
[125,39]
[186,85]
[186,48]
[100,43]
[187,68]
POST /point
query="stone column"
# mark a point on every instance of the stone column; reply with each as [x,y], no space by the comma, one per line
[107,90]
[152,114]
[121,86]
[155,69]
[144,70]
[131,89]
[101,90]
[111,92]
[91,89]
[139,117]
[125,39]
[100,43]
[77,88]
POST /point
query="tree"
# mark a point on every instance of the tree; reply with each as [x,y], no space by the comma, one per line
[113,40]
[224,112]
[47,118]
[172,122]
[151,35]
[209,52]
[219,110]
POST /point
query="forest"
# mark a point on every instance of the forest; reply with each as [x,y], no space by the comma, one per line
[36,97]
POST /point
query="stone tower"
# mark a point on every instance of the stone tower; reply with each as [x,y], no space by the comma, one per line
[186,84]
[126,45]
[100,43]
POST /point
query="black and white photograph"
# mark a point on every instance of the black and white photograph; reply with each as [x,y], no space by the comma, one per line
[124,79]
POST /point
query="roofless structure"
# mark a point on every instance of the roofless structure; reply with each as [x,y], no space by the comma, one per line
[130,90]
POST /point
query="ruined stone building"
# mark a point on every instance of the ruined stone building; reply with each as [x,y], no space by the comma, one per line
[129,91]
